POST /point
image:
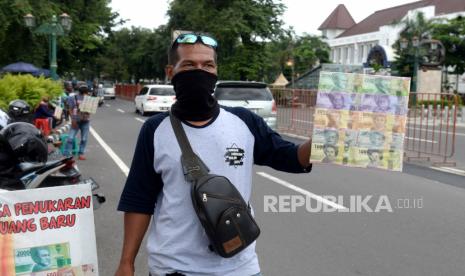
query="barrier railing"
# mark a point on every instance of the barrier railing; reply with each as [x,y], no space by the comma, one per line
[127,91]
[295,109]
[431,127]
[430,130]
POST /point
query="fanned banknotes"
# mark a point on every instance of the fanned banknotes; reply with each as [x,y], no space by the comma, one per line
[360,120]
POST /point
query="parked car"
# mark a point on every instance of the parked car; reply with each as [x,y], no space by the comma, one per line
[155,98]
[255,96]
[108,90]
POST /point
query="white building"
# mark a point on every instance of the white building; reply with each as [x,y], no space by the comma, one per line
[355,43]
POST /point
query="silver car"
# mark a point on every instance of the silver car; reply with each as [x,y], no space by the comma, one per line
[255,96]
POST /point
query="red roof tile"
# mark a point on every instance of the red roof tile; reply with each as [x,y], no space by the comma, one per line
[448,6]
[388,16]
[340,18]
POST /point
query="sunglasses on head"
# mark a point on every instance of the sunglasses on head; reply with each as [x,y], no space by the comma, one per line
[193,38]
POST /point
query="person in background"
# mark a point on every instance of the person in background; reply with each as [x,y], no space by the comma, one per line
[64,99]
[80,121]
[43,111]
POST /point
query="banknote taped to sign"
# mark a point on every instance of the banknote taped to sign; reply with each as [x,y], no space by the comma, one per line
[360,120]
[48,231]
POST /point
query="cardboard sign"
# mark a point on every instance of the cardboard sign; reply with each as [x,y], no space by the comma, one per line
[360,120]
[48,231]
[89,104]
[58,112]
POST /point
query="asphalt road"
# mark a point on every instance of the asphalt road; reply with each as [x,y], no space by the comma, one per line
[423,235]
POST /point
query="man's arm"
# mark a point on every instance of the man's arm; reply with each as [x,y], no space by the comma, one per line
[270,149]
[303,153]
[135,226]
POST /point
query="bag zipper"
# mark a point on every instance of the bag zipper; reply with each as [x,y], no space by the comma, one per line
[205,197]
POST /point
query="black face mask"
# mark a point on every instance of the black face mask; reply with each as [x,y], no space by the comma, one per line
[194,100]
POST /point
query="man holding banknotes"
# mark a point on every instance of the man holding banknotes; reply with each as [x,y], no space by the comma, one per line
[156,188]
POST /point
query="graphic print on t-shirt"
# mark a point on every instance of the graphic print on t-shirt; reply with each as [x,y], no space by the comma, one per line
[234,156]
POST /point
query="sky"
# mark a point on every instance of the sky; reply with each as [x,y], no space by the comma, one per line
[304,15]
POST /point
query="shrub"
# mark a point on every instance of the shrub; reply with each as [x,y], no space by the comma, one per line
[28,88]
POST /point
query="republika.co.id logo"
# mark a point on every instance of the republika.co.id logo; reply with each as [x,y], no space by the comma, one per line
[339,204]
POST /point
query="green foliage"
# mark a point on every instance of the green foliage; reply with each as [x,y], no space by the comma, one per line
[309,50]
[28,88]
[253,45]
[418,27]
[241,27]
[442,102]
[92,21]
[452,34]
[144,57]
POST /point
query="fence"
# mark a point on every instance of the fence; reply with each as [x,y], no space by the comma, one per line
[431,127]
[430,130]
[127,91]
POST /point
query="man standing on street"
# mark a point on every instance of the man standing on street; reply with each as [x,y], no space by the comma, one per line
[156,188]
[80,121]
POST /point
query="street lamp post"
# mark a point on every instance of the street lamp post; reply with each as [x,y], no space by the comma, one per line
[290,63]
[52,29]
[433,57]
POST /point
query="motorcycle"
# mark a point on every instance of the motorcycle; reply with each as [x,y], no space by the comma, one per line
[19,173]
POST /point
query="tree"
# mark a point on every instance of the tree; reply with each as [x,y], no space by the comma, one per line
[144,57]
[308,51]
[418,27]
[452,34]
[241,27]
[92,21]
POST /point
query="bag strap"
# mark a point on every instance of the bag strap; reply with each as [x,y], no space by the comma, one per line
[192,166]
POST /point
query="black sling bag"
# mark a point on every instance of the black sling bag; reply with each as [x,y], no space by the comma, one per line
[222,211]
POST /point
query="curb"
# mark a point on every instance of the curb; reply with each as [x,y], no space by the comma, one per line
[55,137]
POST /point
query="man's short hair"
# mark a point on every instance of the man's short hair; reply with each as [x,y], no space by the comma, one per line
[173,56]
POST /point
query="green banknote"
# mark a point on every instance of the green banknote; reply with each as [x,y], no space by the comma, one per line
[42,258]
[336,82]
[327,136]
[393,86]
[373,140]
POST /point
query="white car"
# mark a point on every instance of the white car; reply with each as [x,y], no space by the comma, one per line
[255,96]
[155,98]
[108,90]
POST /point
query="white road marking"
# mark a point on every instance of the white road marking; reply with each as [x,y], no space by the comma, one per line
[107,105]
[302,121]
[295,136]
[120,110]
[110,152]
[449,170]
[302,191]
[140,120]
[423,130]
[422,140]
